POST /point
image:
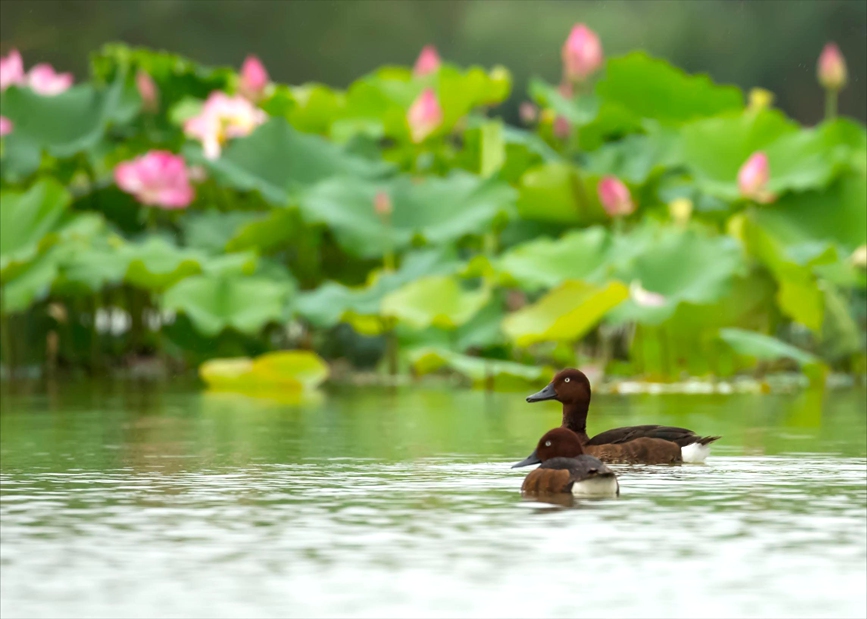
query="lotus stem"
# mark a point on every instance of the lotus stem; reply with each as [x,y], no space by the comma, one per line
[8,348]
[830,104]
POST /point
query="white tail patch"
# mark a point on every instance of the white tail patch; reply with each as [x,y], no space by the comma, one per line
[694,453]
[597,486]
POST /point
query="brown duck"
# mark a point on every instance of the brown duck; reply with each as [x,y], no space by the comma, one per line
[649,444]
[565,468]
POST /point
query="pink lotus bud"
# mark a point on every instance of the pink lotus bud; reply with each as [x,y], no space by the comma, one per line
[561,128]
[158,178]
[254,78]
[753,178]
[382,204]
[222,118]
[832,68]
[148,91]
[11,70]
[46,82]
[582,54]
[428,61]
[6,126]
[645,298]
[615,197]
[529,113]
[424,115]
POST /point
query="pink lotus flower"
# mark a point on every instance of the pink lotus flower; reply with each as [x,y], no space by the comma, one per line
[382,204]
[6,126]
[832,68]
[148,91]
[223,118]
[43,80]
[428,61]
[561,128]
[528,112]
[158,178]
[753,178]
[645,298]
[11,70]
[615,197]
[254,78]
[582,54]
[424,115]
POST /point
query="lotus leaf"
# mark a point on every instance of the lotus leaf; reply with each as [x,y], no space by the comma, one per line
[478,369]
[558,192]
[435,300]
[294,370]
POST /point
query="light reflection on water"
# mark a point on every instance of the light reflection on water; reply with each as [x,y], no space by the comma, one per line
[194,534]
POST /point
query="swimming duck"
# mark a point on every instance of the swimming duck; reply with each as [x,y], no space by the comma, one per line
[565,468]
[648,444]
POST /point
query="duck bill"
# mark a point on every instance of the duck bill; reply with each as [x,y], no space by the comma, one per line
[547,393]
[531,459]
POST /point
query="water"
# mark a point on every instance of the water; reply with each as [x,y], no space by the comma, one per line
[123,502]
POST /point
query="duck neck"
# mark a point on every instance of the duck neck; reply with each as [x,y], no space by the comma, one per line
[575,418]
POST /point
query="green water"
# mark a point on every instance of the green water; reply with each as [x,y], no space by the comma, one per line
[153,502]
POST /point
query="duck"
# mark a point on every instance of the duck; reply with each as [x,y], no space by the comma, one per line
[564,467]
[648,444]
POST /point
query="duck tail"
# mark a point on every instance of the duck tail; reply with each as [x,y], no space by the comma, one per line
[707,440]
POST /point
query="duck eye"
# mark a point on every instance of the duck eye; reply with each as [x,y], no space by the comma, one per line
[547,443]
[592,471]
[566,380]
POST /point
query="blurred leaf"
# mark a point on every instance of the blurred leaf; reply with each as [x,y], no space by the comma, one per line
[493,148]
[439,210]
[155,264]
[564,314]
[765,347]
[215,302]
[294,370]
[435,300]
[556,192]
[478,369]
[545,263]
[27,217]
[31,282]
[578,110]
[278,161]
[264,232]
[211,230]
[636,157]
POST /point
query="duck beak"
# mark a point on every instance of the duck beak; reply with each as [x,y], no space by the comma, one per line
[531,459]
[547,393]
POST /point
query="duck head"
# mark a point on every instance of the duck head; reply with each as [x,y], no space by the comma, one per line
[556,443]
[569,386]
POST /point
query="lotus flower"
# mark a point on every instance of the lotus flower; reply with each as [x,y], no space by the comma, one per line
[582,54]
[158,178]
[148,91]
[753,178]
[428,61]
[832,68]
[615,197]
[254,78]
[645,298]
[561,127]
[424,115]
[528,112]
[11,70]
[6,126]
[43,80]
[222,118]
[382,204]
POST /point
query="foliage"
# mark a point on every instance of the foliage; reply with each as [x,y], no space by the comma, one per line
[492,255]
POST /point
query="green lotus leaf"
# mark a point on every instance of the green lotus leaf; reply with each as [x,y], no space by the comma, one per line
[482,371]
[557,192]
[156,264]
[293,370]
[435,300]
[216,302]
[564,314]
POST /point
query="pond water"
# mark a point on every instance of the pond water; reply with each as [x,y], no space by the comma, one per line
[124,501]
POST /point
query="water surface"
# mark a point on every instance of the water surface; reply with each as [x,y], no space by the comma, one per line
[131,501]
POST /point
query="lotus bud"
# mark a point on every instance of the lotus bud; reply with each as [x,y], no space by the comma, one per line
[158,178]
[428,61]
[382,204]
[424,115]
[582,54]
[832,68]
[6,126]
[254,78]
[11,70]
[148,91]
[760,99]
[45,81]
[561,128]
[753,178]
[528,112]
[615,197]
